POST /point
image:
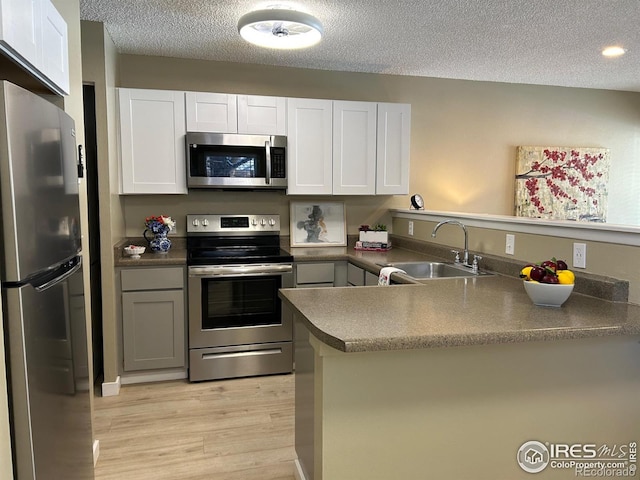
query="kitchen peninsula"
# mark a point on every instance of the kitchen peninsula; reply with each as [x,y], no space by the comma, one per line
[448,379]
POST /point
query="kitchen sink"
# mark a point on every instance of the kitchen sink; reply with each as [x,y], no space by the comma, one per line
[426,270]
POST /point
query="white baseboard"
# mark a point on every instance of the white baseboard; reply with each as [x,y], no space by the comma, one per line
[96,451]
[111,389]
[298,472]
[153,377]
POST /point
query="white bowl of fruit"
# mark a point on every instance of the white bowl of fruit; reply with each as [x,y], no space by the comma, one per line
[134,251]
[548,283]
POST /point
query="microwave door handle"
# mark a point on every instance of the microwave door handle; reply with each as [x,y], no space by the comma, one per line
[267,147]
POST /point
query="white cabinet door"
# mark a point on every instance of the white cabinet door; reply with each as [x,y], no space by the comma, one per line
[309,146]
[354,148]
[20,29]
[55,46]
[152,141]
[261,115]
[211,112]
[394,141]
[34,34]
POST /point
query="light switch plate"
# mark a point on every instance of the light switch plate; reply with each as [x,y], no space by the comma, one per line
[510,244]
[580,255]
[410,227]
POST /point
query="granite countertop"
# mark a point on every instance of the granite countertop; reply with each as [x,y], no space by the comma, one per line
[177,255]
[451,312]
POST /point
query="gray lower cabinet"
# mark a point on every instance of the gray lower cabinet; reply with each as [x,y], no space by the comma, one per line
[370,278]
[320,274]
[358,277]
[153,318]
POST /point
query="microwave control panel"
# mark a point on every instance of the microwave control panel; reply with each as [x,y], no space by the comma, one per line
[278,163]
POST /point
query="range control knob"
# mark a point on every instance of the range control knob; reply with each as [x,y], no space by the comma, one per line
[254,222]
[205,222]
[195,222]
[263,222]
[272,222]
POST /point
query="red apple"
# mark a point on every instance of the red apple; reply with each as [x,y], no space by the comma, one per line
[537,273]
[562,265]
[549,278]
[550,264]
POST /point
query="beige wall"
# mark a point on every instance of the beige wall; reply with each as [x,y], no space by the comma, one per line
[359,210]
[6,463]
[73,105]
[100,69]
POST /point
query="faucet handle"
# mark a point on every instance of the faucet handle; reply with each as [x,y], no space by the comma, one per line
[474,265]
[457,252]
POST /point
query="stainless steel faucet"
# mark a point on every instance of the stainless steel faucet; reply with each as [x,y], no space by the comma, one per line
[466,240]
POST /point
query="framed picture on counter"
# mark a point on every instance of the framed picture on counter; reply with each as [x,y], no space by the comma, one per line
[318,224]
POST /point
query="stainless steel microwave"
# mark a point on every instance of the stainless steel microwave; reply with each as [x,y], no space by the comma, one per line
[232,161]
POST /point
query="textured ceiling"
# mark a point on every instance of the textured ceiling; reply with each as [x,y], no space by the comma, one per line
[545,42]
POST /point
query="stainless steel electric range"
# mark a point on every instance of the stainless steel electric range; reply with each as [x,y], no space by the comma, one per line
[236,324]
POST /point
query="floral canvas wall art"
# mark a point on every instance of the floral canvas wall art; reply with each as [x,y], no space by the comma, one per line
[562,183]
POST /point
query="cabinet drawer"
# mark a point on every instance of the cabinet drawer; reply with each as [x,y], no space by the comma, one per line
[152,278]
[315,273]
[240,361]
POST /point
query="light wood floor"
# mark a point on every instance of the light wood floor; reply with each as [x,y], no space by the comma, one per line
[239,429]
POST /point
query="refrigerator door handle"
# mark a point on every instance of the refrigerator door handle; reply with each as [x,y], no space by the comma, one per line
[61,274]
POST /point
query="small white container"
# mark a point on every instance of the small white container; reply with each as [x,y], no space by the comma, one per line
[372,236]
[547,294]
[134,251]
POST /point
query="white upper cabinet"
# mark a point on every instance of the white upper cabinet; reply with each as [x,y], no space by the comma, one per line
[354,148]
[55,46]
[152,141]
[393,151]
[34,35]
[228,113]
[309,146]
[20,30]
[211,112]
[368,152]
[260,115]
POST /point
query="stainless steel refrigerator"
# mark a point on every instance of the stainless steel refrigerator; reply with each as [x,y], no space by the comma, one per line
[42,290]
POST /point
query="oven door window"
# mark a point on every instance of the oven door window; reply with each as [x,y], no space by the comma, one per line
[228,162]
[240,302]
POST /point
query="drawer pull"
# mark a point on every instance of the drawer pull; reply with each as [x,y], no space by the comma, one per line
[249,353]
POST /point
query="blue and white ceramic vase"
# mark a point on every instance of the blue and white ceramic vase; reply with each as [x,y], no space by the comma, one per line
[159,243]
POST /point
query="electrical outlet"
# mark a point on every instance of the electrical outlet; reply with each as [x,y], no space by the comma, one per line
[410,227]
[510,244]
[580,255]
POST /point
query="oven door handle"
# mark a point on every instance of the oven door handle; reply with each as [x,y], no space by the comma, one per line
[267,147]
[235,270]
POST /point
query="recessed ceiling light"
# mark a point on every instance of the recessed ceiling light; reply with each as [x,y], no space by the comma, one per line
[613,51]
[280,28]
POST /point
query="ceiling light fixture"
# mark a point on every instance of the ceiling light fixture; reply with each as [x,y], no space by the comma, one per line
[613,51]
[280,28]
